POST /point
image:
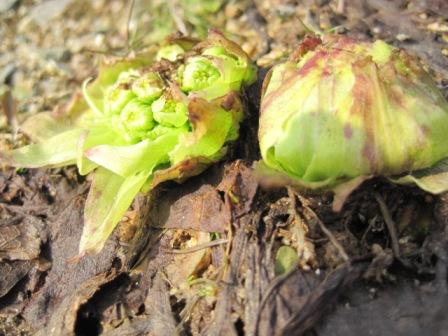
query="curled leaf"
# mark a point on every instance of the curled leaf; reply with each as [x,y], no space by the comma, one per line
[89,139]
[433,180]
[211,125]
[129,160]
[434,184]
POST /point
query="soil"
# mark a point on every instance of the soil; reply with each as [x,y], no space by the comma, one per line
[200,257]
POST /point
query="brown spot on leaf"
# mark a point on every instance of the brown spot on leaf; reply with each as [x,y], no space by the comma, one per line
[229,100]
[361,92]
[348,131]
[396,97]
[125,86]
[425,130]
[369,153]
[308,44]
[340,41]
[312,63]
[196,110]
[273,95]
[91,152]
[181,171]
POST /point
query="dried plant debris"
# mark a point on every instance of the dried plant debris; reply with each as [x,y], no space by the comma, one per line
[219,254]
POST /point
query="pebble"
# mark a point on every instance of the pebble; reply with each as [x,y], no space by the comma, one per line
[42,13]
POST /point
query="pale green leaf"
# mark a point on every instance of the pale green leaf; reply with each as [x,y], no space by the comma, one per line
[109,197]
[89,139]
[128,160]
[59,150]
[84,165]
[43,126]
[433,179]
[434,184]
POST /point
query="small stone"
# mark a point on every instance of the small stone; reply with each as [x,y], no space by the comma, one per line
[438,27]
[6,5]
[232,10]
[376,30]
[47,10]
[402,37]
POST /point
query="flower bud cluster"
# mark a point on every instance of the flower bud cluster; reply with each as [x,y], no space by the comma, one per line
[340,108]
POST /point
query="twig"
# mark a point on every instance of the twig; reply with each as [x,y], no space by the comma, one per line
[340,7]
[228,205]
[324,229]
[10,109]
[332,238]
[128,25]
[366,232]
[391,227]
[292,197]
[20,209]
[198,247]
[180,24]
[186,313]
[272,286]
[310,23]
[319,297]
[299,230]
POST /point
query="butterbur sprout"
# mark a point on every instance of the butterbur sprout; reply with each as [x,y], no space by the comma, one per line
[119,94]
[170,112]
[165,115]
[340,109]
[198,74]
[170,52]
[148,86]
[136,118]
[216,70]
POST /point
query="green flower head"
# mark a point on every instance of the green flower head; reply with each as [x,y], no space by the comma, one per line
[170,52]
[135,119]
[169,112]
[198,74]
[221,67]
[148,86]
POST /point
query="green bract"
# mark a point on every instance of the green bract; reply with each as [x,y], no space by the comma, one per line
[221,67]
[169,52]
[339,109]
[148,86]
[142,122]
[170,112]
